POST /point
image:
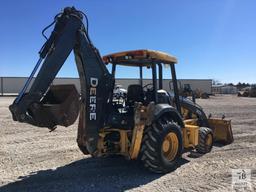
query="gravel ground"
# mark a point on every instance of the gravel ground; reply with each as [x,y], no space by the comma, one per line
[33,159]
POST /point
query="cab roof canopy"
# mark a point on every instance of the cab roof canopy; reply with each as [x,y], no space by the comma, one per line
[138,58]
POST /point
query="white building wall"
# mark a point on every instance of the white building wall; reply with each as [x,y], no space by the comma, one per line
[228,90]
[204,85]
[13,85]
[1,86]
[74,81]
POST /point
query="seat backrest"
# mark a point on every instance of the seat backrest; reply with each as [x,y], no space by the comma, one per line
[163,96]
[135,93]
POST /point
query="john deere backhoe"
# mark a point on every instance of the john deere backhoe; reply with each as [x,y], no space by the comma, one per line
[151,124]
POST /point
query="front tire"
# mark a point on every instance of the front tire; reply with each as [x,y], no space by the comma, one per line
[205,140]
[161,146]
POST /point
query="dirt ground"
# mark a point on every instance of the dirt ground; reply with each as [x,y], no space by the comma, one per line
[34,159]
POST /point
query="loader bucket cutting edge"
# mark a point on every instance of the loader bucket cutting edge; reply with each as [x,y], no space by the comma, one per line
[222,130]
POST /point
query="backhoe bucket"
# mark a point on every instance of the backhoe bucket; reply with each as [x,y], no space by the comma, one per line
[60,106]
[222,131]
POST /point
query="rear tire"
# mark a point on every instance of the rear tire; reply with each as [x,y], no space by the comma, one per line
[205,140]
[161,146]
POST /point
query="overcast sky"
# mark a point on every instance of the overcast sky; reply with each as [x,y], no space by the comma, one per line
[212,39]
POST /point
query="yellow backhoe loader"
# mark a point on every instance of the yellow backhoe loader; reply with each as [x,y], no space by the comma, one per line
[151,123]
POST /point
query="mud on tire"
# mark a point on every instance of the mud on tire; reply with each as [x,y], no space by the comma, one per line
[152,155]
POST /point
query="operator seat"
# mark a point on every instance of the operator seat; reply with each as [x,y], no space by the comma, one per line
[135,93]
[163,96]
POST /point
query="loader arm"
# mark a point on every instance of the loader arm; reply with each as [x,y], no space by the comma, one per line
[35,105]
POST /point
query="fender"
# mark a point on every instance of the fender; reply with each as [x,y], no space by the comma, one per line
[196,109]
[161,109]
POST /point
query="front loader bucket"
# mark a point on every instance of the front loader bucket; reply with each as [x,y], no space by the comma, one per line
[60,106]
[222,131]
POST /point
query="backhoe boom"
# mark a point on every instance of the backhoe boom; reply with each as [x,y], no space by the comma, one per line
[96,83]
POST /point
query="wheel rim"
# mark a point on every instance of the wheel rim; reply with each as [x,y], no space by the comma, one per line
[170,146]
[209,140]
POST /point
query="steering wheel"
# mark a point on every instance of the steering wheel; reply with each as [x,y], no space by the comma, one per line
[148,87]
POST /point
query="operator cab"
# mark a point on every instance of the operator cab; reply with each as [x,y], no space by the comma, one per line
[145,90]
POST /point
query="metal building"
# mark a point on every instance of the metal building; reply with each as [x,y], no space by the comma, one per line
[13,85]
[224,89]
[204,85]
